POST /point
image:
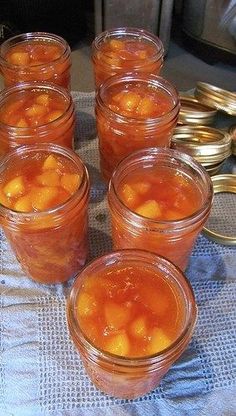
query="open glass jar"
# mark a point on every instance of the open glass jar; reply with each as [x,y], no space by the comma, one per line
[133,111]
[121,50]
[44,192]
[35,56]
[33,112]
[160,199]
[121,329]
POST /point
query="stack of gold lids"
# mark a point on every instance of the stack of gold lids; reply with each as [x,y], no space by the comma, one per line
[208,145]
[216,97]
[192,112]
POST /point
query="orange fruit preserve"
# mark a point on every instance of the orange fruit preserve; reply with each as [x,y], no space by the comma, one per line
[36,57]
[138,101]
[159,199]
[133,112]
[121,50]
[131,314]
[43,184]
[33,53]
[130,311]
[35,113]
[44,193]
[32,108]
[160,194]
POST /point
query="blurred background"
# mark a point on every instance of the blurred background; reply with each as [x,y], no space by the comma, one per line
[199,37]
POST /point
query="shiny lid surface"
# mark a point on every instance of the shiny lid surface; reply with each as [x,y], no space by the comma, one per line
[208,145]
[216,97]
[193,112]
[221,225]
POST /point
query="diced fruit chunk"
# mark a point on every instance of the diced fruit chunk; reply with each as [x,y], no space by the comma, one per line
[50,163]
[86,305]
[118,344]
[19,58]
[70,182]
[129,101]
[158,341]
[142,54]
[43,197]
[116,44]
[15,187]
[141,187]
[116,315]
[117,97]
[49,178]
[149,209]
[138,327]
[129,196]
[36,110]
[22,123]
[42,99]
[111,58]
[3,199]
[145,107]
[23,204]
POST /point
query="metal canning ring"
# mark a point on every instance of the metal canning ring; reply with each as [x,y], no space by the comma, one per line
[193,112]
[219,227]
[216,97]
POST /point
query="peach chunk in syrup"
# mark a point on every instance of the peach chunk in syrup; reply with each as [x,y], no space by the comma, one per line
[160,194]
[32,108]
[130,311]
[44,184]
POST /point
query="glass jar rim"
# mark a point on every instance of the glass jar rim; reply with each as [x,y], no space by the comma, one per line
[150,259]
[33,36]
[156,80]
[144,155]
[21,151]
[34,86]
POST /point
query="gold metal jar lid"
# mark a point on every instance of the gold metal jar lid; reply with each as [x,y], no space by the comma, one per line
[207,145]
[221,224]
[213,169]
[193,112]
[232,133]
[216,97]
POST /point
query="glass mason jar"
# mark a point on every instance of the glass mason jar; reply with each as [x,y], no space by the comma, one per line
[51,245]
[172,238]
[33,112]
[123,376]
[36,56]
[121,133]
[126,49]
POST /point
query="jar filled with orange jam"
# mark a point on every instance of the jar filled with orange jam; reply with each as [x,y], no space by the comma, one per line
[121,50]
[44,192]
[131,314]
[160,199]
[36,56]
[133,111]
[33,112]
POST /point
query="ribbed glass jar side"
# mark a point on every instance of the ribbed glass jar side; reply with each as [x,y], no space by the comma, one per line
[50,245]
[173,239]
[126,377]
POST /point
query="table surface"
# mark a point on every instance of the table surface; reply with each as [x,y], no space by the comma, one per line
[40,370]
